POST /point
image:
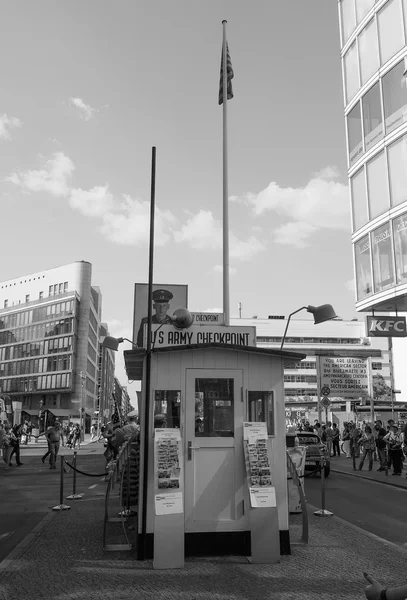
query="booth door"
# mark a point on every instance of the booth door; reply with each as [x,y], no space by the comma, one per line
[214,465]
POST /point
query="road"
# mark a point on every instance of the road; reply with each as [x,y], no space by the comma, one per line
[28,493]
[375,507]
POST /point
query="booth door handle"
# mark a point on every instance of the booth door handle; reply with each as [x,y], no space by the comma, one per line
[190,448]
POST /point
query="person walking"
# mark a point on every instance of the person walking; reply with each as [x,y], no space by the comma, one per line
[394,440]
[53,436]
[76,437]
[92,432]
[7,439]
[335,440]
[368,441]
[355,435]
[346,439]
[329,438]
[381,445]
[18,432]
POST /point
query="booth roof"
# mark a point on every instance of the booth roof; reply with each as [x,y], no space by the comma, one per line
[134,358]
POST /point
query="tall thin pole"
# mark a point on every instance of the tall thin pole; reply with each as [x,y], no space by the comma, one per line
[143,545]
[226,301]
[390,346]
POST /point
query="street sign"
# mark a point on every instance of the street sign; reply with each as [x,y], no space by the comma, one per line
[325,390]
[325,402]
[386,326]
[345,377]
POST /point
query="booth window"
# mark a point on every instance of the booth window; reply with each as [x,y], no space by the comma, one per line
[214,407]
[363,268]
[168,403]
[261,409]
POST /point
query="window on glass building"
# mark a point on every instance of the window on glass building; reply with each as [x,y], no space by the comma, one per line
[364,286]
[359,199]
[400,247]
[362,8]
[355,145]
[395,97]
[368,51]
[372,116]
[397,159]
[391,31]
[377,185]
[348,18]
[351,72]
[383,269]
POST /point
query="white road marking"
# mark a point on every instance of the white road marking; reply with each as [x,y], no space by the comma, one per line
[92,486]
[4,535]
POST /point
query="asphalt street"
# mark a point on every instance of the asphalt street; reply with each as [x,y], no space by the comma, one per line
[29,492]
[375,507]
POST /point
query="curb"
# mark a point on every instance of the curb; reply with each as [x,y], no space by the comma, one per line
[400,487]
[7,563]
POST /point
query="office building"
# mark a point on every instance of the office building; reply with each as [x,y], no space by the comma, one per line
[106,378]
[49,344]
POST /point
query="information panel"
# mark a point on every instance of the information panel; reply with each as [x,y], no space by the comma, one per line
[345,377]
[168,495]
[262,493]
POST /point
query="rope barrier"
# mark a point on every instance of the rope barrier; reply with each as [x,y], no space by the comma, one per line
[83,472]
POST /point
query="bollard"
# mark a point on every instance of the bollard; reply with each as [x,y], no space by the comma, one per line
[323,512]
[74,495]
[61,505]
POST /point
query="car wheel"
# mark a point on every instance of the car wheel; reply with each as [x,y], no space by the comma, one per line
[327,470]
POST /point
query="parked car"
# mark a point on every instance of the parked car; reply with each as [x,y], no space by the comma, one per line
[316,449]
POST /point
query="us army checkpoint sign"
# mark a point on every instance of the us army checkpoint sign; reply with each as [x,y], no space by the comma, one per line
[346,377]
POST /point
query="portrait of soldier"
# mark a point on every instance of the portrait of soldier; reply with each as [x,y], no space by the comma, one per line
[161,305]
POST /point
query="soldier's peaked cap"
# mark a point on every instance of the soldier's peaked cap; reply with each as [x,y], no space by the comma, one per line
[162,296]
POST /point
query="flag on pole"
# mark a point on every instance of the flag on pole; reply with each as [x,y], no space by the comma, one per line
[115,417]
[229,74]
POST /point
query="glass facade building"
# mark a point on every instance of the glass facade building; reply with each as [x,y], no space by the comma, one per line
[374,67]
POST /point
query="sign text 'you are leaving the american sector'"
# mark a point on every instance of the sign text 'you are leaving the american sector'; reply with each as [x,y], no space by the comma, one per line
[346,377]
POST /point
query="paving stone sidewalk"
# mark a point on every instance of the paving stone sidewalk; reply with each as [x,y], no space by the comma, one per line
[63,560]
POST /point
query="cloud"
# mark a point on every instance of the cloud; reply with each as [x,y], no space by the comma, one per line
[53,178]
[95,202]
[323,203]
[86,112]
[294,234]
[202,231]
[7,123]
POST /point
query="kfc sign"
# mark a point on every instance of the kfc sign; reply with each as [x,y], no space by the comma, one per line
[386,326]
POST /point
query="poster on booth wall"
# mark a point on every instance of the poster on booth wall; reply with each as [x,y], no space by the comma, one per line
[167,472]
[258,472]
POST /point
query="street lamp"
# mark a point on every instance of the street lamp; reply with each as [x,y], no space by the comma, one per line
[113,343]
[322,313]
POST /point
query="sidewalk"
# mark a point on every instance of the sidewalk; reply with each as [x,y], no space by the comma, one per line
[63,559]
[345,465]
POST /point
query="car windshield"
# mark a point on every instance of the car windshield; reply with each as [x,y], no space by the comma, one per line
[306,440]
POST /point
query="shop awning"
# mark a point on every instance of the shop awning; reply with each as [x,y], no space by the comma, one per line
[30,411]
[58,412]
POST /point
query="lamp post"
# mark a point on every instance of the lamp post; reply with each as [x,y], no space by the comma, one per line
[83,377]
[322,313]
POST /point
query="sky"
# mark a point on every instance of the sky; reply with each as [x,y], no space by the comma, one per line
[90,87]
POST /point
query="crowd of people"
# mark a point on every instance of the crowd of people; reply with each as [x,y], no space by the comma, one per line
[361,442]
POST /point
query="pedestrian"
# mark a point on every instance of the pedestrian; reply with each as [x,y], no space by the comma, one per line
[394,441]
[53,436]
[29,432]
[76,437]
[317,428]
[381,445]
[346,439]
[329,438]
[368,441]
[101,432]
[18,432]
[355,434]
[6,445]
[335,440]
[92,432]
[376,591]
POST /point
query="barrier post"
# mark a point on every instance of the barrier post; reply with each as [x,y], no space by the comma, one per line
[61,505]
[74,495]
[322,512]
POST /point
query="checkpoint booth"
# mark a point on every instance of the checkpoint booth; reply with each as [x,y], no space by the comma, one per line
[217,474]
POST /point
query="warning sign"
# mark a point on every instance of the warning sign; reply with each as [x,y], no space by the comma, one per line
[346,377]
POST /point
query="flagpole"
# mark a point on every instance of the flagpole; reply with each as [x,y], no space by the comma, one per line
[226,302]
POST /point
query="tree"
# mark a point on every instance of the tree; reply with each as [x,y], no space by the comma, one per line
[381,391]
